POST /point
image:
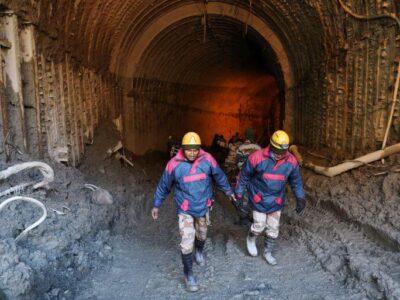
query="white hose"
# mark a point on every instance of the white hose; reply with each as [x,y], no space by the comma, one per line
[347,165]
[91,187]
[18,189]
[28,199]
[45,169]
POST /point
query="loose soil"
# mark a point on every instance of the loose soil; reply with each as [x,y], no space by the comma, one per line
[345,246]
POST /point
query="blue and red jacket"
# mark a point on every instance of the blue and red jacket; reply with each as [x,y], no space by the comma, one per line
[193,183]
[265,180]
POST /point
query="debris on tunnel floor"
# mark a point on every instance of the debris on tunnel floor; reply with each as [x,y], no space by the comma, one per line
[344,247]
[62,249]
[338,252]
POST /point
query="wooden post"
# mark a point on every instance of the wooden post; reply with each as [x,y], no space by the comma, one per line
[13,81]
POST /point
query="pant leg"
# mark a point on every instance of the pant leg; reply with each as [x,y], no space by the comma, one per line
[273,224]
[201,228]
[259,223]
[187,232]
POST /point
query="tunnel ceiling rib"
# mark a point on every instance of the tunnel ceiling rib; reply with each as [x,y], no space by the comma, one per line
[112,28]
[174,50]
[290,35]
[176,45]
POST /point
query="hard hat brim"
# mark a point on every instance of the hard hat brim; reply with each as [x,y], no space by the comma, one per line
[189,147]
[278,151]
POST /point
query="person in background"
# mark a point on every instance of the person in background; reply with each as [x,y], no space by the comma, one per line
[242,153]
[173,146]
[264,175]
[235,138]
[230,160]
[191,171]
[247,148]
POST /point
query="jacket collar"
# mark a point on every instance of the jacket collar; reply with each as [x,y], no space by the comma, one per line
[267,152]
[181,156]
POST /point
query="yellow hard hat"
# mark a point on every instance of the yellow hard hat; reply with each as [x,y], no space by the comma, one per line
[279,141]
[191,140]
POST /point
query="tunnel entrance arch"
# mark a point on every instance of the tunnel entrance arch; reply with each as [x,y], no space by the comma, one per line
[136,51]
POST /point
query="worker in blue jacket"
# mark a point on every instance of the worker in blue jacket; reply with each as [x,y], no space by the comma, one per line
[192,171]
[264,175]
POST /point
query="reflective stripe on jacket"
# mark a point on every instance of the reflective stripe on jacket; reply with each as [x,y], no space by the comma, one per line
[265,180]
[193,183]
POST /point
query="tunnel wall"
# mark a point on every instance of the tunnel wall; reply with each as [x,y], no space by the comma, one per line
[72,100]
[51,102]
[343,69]
[360,75]
[342,99]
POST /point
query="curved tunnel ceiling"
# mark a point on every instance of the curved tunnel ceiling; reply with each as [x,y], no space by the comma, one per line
[164,39]
[199,56]
[323,58]
[112,29]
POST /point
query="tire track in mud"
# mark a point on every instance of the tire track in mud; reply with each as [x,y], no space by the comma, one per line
[349,251]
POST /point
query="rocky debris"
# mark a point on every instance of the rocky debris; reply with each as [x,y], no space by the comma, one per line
[333,251]
[367,200]
[100,196]
[345,246]
[71,242]
[352,229]
[15,276]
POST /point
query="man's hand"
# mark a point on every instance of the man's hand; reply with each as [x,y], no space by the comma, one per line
[154,213]
[238,204]
[300,205]
[233,199]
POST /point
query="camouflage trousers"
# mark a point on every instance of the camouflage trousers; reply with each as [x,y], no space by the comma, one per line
[267,222]
[189,229]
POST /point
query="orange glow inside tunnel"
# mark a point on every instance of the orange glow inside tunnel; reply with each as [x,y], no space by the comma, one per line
[235,102]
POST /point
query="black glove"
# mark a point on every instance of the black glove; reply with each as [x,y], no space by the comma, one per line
[300,205]
[238,204]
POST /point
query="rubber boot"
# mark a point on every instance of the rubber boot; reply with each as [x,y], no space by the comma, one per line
[198,254]
[251,244]
[269,244]
[191,284]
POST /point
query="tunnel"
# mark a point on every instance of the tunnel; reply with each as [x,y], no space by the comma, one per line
[85,82]
[213,86]
[137,61]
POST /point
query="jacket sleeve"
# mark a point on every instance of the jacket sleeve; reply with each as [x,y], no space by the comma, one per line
[243,179]
[163,188]
[296,183]
[221,180]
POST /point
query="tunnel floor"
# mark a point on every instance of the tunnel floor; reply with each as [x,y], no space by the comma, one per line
[345,245]
[330,252]
[147,264]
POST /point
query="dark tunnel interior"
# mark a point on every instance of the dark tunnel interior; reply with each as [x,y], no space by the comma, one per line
[221,78]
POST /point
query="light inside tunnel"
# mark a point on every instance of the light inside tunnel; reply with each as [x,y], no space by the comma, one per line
[236,102]
[218,78]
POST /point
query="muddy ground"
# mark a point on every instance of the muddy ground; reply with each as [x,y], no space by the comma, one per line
[345,246]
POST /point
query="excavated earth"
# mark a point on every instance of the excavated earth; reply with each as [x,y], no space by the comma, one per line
[345,245]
